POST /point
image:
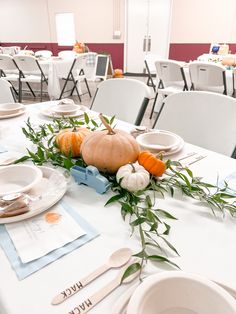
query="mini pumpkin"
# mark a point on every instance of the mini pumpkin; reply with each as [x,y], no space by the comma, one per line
[109,149]
[69,140]
[151,163]
[133,177]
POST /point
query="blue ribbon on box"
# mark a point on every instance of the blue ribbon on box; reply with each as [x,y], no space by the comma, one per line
[23,270]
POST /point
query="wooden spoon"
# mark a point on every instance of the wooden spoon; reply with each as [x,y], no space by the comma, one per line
[98,296]
[116,260]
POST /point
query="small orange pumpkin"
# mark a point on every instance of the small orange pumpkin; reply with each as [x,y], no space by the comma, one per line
[151,163]
[70,140]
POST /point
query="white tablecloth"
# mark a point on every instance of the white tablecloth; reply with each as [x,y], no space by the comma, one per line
[206,244]
[58,68]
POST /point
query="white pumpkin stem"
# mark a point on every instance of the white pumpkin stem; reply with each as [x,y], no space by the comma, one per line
[108,127]
[133,168]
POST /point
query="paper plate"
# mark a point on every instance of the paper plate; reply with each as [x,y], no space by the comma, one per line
[12,115]
[51,114]
[18,178]
[44,195]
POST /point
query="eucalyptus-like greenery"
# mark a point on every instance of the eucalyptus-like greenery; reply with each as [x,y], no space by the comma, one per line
[145,218]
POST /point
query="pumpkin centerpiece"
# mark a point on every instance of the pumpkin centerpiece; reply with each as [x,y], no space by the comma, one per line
[69,140]
[109,149]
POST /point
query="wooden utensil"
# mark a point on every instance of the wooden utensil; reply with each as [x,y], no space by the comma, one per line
[89,303]
[116,260]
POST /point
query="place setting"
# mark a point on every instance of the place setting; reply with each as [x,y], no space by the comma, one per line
[65,108]
[11,110]
[159,141]
[35,227]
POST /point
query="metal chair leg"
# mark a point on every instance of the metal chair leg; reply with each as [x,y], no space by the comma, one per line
[20,91]
[153,106]
[31,90]
[86,83]
[41,90]
[158,114]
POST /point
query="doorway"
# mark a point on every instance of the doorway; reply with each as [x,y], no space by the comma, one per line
[147,30]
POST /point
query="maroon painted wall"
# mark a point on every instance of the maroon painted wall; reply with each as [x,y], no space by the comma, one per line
[187,52]
[115,50]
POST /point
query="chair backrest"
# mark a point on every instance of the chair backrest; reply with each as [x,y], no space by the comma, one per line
[169,71]
[127,99]
[204,75]
[150,60]
[7,63]
[10,50]
[67,54]
[201,118]
[43,53]
[27,64]
[25,52]
[6,92]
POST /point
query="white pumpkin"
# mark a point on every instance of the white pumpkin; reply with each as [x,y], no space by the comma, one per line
[134,177]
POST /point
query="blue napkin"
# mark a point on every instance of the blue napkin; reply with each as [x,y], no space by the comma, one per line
[26,269]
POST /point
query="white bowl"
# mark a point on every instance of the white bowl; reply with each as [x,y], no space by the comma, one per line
[177,292]
[66,109]
[18,178]
[158,141]
[10,108]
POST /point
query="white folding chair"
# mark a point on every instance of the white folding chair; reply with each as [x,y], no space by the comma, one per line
[10,50]
[149,61]
[207,76]
[201,118]
[30,72]
[127,99]
[6,92]
[9,70]
[67,54]
[76,75]
[171,79]
[43,54]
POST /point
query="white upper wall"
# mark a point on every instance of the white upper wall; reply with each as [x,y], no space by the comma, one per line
[193,21]
[203,21]
[34,20]
[24,21]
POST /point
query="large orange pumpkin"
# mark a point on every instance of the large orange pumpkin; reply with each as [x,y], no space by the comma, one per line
[69,140]
[109,149]
[151,163]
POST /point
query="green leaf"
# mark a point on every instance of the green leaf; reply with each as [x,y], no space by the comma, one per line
[133,268]
[94,123]
[166,232]
[159,258]
[86,118]
[24,158]
[138,221]
[114,199]
[165,214]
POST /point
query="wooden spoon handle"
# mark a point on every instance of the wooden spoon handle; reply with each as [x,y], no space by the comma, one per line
[89,303]
[69,291]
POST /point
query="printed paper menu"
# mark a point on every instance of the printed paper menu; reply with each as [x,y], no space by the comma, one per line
[37,236]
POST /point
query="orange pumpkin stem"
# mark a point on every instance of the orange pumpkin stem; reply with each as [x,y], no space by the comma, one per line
[108,127]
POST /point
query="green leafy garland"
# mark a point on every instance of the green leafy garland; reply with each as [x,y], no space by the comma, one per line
[145,218]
